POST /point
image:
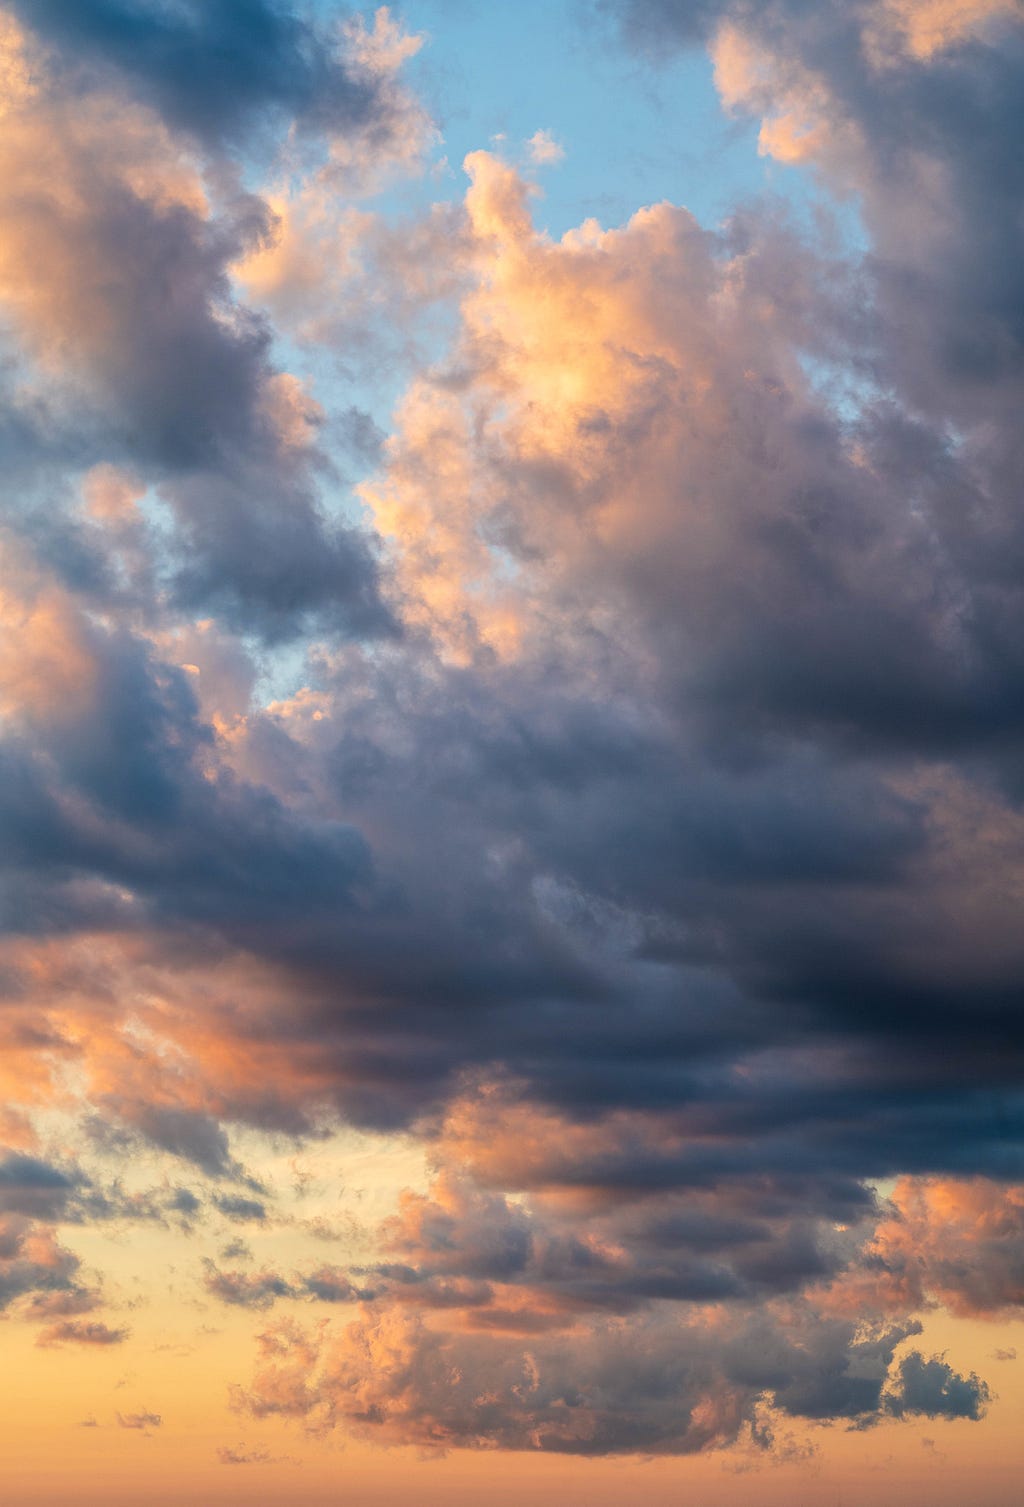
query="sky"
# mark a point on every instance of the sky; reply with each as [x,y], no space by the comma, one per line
[511,752]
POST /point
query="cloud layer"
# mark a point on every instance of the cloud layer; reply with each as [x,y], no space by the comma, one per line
[618,789]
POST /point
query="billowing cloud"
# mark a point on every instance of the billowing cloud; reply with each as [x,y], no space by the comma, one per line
[931,1387]
[617,791]
[607,1389]
[153,363]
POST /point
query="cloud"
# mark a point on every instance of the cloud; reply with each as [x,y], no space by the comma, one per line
[281,65]
[245,1289]
[78,1332]
[955,1242]
[153,361]
[32,1260]
[544,150]
[142,1422]
[627,806]
[650,1387]
[33,1187]
[932,1387]
[243,1210]
[260,1290]
[72,1300]
[243,1456]
[236,1250]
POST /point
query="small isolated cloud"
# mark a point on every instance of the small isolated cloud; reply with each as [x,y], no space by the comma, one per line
[236,1250]
[934,1389]
[544,149]
[81,1332]
[89,1423]
[1010,1354]
[143,1422]
[244,1456]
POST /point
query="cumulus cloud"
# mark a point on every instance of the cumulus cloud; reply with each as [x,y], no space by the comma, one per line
[544,150]
[627,805]
[155,363]
[932,1387]
[652,1387]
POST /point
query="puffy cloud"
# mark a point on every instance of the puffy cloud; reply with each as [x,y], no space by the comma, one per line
[931,1387]
[926,27]
[956,1242]
[652,1386]
[153,362]
[33,1261]
[544,150]
[876,96]
[642,830]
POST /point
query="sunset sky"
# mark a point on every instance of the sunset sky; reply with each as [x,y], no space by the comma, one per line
[512,753]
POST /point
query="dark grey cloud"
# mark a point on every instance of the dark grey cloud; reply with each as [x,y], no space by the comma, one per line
[242,1210]
[212,67]
[933,1388]
[34,1187]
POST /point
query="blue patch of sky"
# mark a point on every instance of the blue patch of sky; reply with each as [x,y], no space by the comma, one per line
[633,134]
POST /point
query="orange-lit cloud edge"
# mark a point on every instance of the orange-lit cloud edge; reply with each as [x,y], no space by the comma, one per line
[577,1012]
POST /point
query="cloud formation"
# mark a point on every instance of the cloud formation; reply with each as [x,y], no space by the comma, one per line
[617,790]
